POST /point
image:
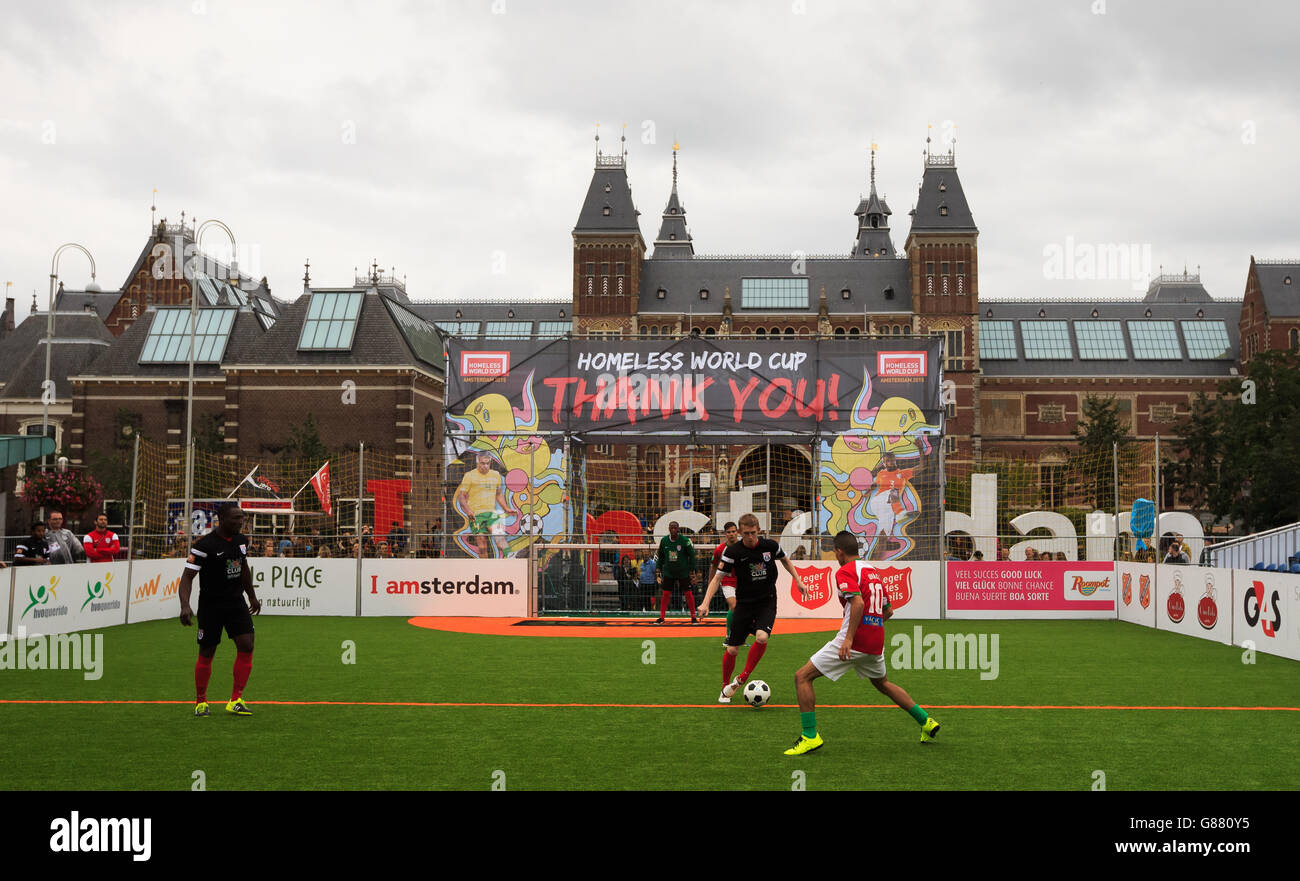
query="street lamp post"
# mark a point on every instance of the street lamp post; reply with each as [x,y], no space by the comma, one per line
[46,390]
[189,394]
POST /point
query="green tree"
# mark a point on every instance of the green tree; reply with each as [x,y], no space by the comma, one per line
[1098,433]
[1259,483]
[305,442]
[1194,472]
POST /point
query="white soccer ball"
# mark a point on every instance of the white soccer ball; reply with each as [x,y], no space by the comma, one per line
[757,693]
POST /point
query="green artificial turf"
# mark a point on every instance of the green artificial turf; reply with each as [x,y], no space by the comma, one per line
[161,746]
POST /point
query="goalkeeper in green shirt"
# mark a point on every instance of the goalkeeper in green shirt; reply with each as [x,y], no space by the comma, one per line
[675,566]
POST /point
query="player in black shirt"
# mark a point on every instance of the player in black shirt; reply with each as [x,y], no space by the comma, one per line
[221,559]
[753,560]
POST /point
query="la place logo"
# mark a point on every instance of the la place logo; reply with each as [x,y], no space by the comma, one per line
[1144,591]
[1175,605]
[1207,611]
[1127,588]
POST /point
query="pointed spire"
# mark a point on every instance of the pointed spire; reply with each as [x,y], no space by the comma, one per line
[873,221]
[597,143]
[674,239]
[306,274]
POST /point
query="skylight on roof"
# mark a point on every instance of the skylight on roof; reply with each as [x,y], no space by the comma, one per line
[1154,341]
[518,330]
[168,341]
[331,321]
[420,335]
[1206,340]
[1046,340]
[554,328]
[1100,340]
[998,340]
[774,293]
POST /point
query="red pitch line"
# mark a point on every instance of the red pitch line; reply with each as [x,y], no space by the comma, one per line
[279,703]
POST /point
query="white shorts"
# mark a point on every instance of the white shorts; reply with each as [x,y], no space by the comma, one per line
[828,663]
[728,592]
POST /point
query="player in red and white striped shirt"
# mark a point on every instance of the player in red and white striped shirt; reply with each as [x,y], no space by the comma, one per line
[859,646]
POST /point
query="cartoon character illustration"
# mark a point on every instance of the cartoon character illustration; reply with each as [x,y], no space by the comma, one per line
[862,486]
[534,473]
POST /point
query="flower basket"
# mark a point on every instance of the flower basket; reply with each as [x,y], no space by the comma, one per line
[71,492]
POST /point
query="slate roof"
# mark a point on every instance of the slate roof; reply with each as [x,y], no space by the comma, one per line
[100,303]
[1183,288]
[377,342]
[123,358]
[1227,311]
[1282,300]
[866,279]
[79,337]
[484,311]
[941,188]
[623,216]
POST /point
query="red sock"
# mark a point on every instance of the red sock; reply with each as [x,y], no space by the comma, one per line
[728,666]
[663,603]
[202,673]
[690,603]
[751,661]
[243,667]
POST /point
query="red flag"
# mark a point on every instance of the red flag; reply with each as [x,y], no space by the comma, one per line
[320,482]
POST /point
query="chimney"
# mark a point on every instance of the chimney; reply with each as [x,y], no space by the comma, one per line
[9,314]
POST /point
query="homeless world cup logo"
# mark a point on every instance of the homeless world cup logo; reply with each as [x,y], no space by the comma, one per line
[40,596]
[484,366]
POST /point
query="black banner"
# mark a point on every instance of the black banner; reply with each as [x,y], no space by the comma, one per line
[698,389]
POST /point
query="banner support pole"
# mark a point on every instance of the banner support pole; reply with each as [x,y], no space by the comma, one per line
[361,500]
[130,526]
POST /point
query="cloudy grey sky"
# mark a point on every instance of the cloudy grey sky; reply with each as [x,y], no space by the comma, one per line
[454,139]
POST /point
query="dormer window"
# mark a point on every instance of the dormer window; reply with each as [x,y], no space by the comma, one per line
[704,293]
[1042,313]
[458,313]
[1148,313]
[672,236]
[943,187]
[943,210]
[845,294]
[1095,313]
[672,210]
[605,211]
[1200,313]
[510,314]
[661,293]
[1286,280]
[608,188]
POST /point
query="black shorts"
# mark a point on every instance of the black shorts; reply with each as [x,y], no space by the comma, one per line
[749,618]
[682,583]
[233,616]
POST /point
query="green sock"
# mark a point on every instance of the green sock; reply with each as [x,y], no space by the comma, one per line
[918,714]
[809,723]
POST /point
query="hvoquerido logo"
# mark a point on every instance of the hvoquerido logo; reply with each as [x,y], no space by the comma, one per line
[901,365]
[484,366]
[39,597]
[97,593]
